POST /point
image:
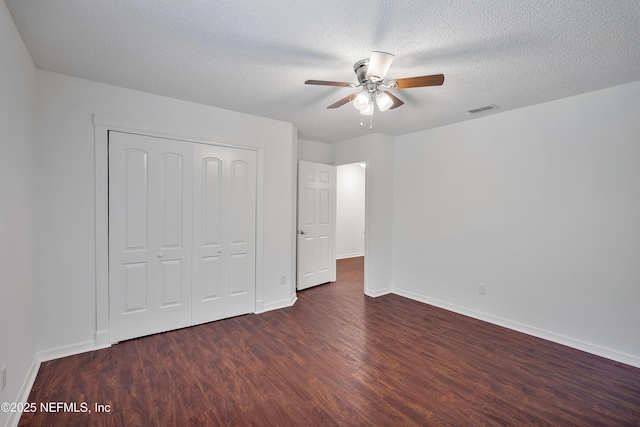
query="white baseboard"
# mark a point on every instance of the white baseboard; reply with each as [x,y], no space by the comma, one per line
[25,390]
[278,304]
[69,350]
[44,356]
[350,255]
[377,292]
[102,339]
[526,329]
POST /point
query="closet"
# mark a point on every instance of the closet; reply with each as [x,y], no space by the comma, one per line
[181,233]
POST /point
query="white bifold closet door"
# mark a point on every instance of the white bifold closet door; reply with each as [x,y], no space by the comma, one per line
[224,232]
[181,234]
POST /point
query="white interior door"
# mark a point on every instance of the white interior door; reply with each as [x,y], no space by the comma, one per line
[150,241]
[224,232]
[316,217]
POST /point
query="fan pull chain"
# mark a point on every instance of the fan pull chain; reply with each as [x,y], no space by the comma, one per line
[361,120]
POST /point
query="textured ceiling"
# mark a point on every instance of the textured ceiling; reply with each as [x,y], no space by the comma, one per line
[254,56]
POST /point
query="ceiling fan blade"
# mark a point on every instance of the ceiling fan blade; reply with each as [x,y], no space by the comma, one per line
[343,101]
[379,64]
[328,83]
[396,101]
[434,80]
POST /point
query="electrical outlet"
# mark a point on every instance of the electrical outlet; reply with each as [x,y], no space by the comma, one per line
[283,279]
[3,374]
[482,289]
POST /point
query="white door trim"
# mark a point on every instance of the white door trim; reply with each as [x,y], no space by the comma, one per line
[102,125]
[367,218]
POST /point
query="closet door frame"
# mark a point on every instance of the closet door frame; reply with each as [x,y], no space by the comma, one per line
[102,126]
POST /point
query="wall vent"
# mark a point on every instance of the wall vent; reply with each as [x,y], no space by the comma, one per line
[481,109]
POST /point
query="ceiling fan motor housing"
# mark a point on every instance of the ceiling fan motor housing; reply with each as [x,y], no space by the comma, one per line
[360,68]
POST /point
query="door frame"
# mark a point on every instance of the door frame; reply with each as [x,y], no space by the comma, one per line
[367,201]
[364,223]
[102,125]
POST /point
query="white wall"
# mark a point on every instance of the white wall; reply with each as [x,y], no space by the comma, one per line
[17,189]
[65,211]
[312,151]
[350,208]
[377,150]
[541,204]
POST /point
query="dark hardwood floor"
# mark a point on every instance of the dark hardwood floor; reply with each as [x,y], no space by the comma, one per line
[340,358]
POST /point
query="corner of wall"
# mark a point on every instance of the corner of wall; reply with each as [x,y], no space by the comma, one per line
[293,272]
[18,192]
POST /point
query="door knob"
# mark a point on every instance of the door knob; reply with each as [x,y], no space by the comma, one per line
[219,251]
[302,232]
[160,254]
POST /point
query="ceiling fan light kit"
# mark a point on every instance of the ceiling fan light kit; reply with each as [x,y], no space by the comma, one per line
[379,64]
[361,100]
[371,73]
[383,101]
[368,110]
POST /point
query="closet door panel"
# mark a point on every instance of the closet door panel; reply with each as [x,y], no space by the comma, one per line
[173,227]
[134,165]
[208,226]
[211,208]
[130,231]
[212,279]
[149,235]
[241,232]
[136,286]
[171,203]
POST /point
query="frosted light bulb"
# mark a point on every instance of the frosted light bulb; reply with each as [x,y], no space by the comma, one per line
[361,101]
[384,101]
[368,111]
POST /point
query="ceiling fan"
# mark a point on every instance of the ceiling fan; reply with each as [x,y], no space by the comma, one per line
[371,73]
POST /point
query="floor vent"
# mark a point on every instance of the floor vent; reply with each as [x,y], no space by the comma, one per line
[483,108]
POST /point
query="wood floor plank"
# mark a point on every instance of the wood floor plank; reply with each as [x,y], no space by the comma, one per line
[340,358]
